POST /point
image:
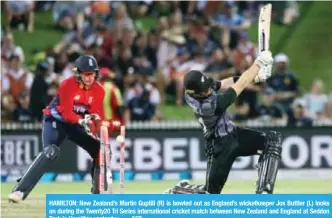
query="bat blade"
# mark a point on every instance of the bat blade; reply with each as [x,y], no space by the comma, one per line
[264,24]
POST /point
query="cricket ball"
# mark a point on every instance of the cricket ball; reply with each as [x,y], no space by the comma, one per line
[120,139]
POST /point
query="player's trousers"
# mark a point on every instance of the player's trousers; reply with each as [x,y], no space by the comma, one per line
[222,153]
[55,132]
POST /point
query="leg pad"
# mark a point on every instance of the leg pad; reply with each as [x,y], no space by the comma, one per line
[41,163]
[269,163]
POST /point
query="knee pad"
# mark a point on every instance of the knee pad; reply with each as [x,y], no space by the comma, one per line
[273,139]
[269,163]
[51,152]
[41,163]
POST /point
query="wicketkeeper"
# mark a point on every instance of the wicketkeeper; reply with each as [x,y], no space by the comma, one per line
[225,141]
[74,114]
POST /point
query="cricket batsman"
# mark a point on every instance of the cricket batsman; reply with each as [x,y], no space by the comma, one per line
[74,114]
[225,141]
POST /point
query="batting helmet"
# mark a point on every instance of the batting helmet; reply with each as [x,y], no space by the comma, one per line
[195,82]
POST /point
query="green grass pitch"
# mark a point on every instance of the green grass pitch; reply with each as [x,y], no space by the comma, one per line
[34,206]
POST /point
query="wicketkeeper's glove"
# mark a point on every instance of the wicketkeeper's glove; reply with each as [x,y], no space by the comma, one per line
[91,124]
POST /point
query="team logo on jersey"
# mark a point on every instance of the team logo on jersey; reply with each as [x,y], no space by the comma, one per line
[77,97]
[203,79]
[80,109]
[90,100]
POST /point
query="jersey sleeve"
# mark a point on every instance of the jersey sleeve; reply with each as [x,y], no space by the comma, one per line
[96,107]
[67,102]
[225,100]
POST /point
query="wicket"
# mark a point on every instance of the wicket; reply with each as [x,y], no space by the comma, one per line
[122,142]
[105,162]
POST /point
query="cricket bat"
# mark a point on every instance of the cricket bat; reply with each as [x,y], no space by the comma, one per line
[264,23]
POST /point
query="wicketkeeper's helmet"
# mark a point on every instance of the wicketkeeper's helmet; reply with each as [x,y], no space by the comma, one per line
[86,63]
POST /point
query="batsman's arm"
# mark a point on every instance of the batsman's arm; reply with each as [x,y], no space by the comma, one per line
[263,61]
[225,83]
[229,97]
[246,79]
[229,82]
[237,85]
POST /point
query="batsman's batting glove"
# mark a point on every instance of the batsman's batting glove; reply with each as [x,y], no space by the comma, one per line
[264,58]
[264,73]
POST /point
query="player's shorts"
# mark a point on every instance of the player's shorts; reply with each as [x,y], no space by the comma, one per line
[222,153]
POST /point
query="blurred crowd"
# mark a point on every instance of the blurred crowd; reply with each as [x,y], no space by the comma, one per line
[142,68]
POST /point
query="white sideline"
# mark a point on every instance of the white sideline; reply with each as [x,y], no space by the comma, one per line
[283,174]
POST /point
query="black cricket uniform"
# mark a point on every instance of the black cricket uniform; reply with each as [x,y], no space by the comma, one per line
[224,141]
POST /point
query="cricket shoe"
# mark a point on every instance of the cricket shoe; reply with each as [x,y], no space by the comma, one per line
[187,190]
[16,197]
[183,183]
